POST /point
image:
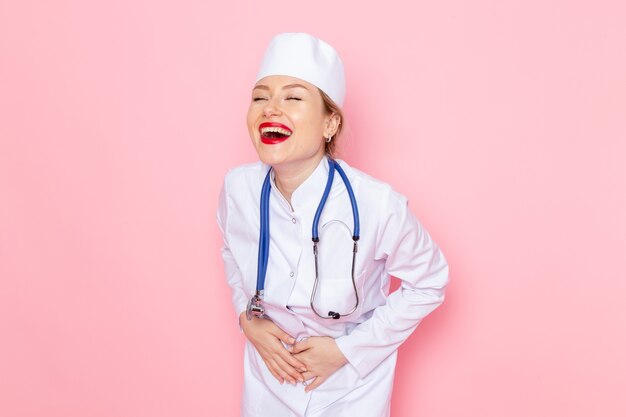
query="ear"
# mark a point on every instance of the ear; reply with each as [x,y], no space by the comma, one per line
[332,124]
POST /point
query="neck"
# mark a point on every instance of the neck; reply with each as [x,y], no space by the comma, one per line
[289,178]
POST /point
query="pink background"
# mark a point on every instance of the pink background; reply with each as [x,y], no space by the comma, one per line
[502,121]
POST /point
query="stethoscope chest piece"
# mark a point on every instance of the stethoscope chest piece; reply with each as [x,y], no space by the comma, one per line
[255,306]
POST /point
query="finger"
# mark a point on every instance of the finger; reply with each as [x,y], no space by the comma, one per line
[301,346]
[316,383]
[292,376]
[285,355]
[281,361]
[307,375]
[287,371]
[274,374]
[285,338]
[281,334]
[303,367]
[295,363]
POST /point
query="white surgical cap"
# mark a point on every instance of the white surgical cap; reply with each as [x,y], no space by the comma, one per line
[303,56]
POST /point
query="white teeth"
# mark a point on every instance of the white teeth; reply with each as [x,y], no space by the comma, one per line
[275,130]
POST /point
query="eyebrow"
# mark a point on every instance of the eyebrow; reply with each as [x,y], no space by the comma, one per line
[286,87]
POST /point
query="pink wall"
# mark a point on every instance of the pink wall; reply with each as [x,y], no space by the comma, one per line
[503,121]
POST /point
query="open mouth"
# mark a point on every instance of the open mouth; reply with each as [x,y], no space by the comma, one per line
[272,133]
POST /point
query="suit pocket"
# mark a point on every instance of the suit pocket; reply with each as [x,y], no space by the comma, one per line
[339,295]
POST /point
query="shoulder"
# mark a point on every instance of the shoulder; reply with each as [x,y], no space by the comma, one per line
[373,191]
[245,173]
[242,185]
[245,181]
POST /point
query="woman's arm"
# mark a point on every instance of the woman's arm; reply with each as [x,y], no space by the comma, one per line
[412,256]
[266,336]
[233,274]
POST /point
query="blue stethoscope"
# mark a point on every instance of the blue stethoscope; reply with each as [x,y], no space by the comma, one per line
[255,305]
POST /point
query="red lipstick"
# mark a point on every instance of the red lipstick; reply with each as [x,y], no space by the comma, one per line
[273,133]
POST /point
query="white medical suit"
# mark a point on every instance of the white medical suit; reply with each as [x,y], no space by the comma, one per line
[392,243]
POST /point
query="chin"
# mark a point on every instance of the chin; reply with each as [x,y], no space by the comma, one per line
[270,156]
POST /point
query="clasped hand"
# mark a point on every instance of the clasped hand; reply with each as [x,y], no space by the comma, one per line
[314,358]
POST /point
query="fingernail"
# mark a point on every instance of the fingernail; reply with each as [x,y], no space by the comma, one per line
[301,380]
[292,340]
[302,369]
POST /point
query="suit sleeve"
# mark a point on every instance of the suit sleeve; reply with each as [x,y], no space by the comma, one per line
[412,256]
[231,269]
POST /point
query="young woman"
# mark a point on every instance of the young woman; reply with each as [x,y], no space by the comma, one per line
[310,244]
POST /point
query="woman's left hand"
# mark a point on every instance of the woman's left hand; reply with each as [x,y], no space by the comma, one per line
[321,356]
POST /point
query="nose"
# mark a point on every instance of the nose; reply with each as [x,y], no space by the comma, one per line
[271,109]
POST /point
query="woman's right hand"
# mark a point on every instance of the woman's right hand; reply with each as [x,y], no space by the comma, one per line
[268,340]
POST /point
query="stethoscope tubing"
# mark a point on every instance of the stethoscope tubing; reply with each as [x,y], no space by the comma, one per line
[356,233]
[255,306]
[264,234]
[334,314]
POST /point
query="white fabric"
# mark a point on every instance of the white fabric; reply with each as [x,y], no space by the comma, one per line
[303,56]
[392,243]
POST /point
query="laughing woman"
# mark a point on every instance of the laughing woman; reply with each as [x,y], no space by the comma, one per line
[310,244]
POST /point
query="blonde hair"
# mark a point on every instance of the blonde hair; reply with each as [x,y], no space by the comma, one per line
[331,107]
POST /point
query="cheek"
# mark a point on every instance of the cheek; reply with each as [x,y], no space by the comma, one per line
[310,123]
[251,121]
[314,129]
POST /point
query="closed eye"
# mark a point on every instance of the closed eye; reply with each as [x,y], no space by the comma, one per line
[294,98]
[258,98]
